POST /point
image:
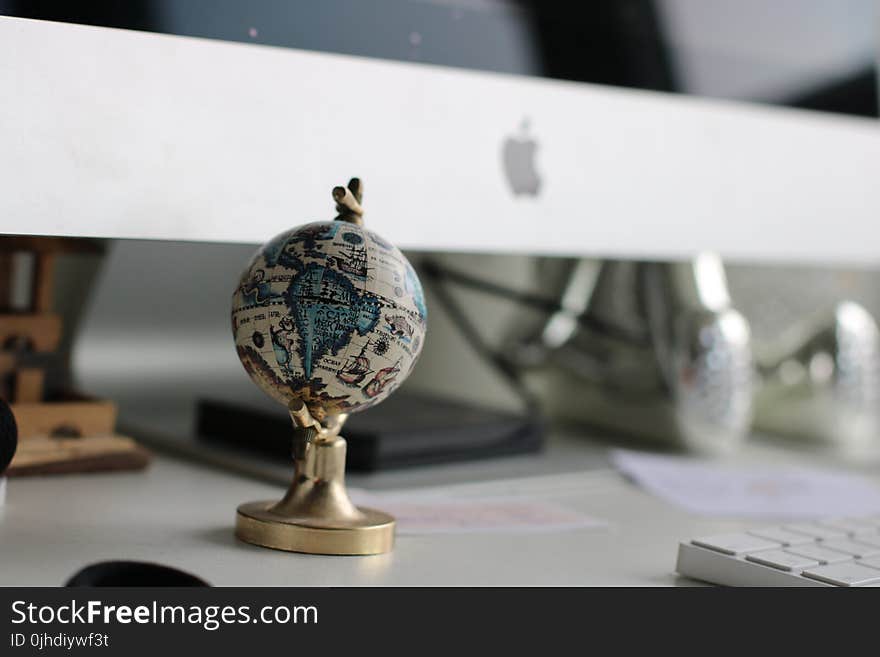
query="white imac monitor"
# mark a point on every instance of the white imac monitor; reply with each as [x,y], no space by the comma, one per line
[227,122]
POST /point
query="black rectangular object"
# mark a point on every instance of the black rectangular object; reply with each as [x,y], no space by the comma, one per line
[405,430]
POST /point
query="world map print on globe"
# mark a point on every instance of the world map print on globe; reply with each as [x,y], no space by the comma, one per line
[329,313]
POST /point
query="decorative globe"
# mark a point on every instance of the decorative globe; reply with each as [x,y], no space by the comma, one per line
[331,314]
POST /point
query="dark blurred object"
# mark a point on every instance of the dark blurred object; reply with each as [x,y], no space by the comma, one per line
[8,436]
[619,43]
[133,573]
[107,13]
[856,95]
[406,430]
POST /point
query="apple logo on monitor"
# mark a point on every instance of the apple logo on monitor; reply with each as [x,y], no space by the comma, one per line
[518,159]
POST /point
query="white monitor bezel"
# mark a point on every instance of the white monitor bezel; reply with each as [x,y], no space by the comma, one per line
[124,134]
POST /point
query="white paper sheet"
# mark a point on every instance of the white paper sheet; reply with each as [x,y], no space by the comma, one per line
[717,489]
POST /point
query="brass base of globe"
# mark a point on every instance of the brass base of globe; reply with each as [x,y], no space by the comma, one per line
[316,515]
[256,523]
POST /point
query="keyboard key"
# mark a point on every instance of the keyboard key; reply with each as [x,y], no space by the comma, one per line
[873,562]
[851,526]
[855,548]
[735,543]
[781,536]
[816,531]
[782,560]
[821,554]
[869,540]
[844,574]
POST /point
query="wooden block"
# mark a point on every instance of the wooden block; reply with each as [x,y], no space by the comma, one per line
[41,291]
[67,455]
[39,332]
[83,417]
[28,385]
[7,375]
[6,282]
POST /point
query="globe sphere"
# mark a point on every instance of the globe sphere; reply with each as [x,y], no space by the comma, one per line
[331,314]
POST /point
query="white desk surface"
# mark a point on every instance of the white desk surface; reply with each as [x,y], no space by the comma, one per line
[180,513]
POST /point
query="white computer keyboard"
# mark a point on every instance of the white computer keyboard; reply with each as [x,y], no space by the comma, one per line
[837,552]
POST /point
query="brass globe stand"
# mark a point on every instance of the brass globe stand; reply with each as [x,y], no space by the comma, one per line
[316,515]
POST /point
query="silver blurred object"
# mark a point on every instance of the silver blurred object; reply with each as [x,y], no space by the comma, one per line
[657,350]
[821,381]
